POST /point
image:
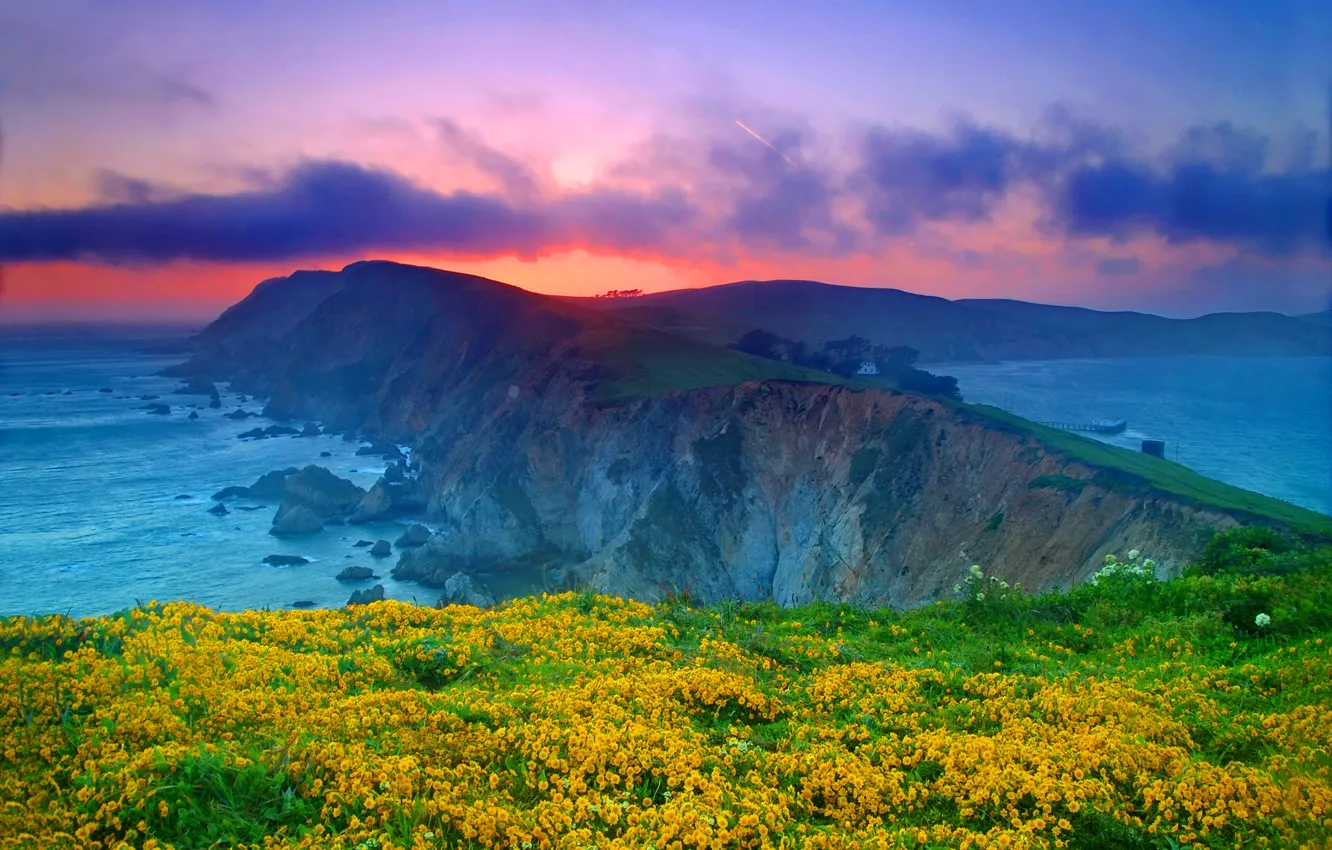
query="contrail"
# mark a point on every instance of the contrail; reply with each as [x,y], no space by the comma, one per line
[764,141]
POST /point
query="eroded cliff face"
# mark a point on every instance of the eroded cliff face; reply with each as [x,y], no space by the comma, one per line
[798,492]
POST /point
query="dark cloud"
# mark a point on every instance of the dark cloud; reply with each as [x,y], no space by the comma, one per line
[1113,266]
[1271,213]
[323,208]
[910,177]
[713,194]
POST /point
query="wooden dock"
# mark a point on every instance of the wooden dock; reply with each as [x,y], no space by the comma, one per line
[1105,427]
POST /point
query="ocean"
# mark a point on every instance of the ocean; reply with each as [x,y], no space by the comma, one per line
[1261,423]
[105,504]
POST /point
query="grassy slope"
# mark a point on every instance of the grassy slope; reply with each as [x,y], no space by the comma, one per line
[1157,473]
[1127,715]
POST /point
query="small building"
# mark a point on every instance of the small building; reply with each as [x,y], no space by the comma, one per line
[868,367]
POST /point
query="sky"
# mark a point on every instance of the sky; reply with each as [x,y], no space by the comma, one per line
[161,157]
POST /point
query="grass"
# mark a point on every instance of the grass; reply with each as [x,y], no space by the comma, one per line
[1128,713]
[1130,471]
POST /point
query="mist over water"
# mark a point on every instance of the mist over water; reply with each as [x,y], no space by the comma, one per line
[1264,424]
[90,519]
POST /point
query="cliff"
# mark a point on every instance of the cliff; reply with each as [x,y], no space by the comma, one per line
[645,463]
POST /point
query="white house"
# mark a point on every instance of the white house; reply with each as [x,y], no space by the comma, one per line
[869,367]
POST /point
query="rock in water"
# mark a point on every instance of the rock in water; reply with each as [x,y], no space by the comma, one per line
[197,386]
[184,496]
[461,589]
[303,603]
[157,409]
[326,454]
[311,429]
[194,414]
[285,560]
[381,549]
[219,510]
[323,492]
[272,485]
[215,403]
[237,414]
[365,597]
[356,574]
[415,535]
[291,520]
[232,492]
[361,544]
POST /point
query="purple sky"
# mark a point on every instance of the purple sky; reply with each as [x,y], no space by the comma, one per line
[164,156]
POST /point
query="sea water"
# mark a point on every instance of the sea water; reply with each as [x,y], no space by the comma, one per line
[1261,423]
[103,504]
[92,517]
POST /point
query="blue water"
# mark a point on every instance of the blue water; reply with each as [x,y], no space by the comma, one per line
[1264,424]
[90,521]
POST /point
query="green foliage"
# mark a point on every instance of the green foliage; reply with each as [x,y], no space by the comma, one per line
[1249,550]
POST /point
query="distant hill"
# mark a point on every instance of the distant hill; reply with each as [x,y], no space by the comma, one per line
[966,330]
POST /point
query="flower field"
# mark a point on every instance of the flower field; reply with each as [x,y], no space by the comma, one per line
[1127,713]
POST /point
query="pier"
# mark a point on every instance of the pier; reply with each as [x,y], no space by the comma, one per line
[1100,426]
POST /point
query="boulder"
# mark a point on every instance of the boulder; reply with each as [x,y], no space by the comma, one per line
[157,409]
[356,574]
[279,430]
[386,450]
[396,473]
[381,549]
[232,492]
[361,544]
[252,434]
[219,510]
[377,503]
[326,454]
[197,386]
[291,520]
[286,560]
[271,485]
[148,398]
[194,414]
[303,603]
[214,403]
[462,589]
[310,430]
[365,597]
[237,414]
[323,492]
[102,390]
[415,535]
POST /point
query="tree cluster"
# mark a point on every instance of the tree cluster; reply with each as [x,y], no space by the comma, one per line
[896,363]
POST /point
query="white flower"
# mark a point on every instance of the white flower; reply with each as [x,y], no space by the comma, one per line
[1133,554]
[980,597]
[1148,563]
[957,588]
[976,571]
[1262,620]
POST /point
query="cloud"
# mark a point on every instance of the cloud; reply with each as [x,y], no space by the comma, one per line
[516,179]
[1270,213]
[716,194]
[1114,266]
[323,208]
